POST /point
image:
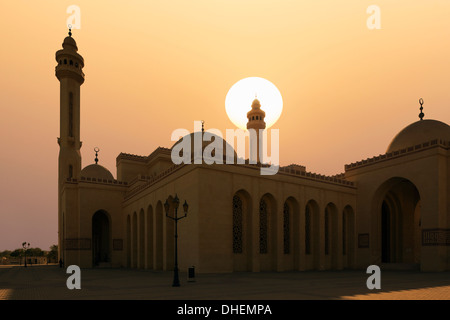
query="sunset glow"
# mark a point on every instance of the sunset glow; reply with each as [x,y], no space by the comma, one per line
[154,66]
[239,100]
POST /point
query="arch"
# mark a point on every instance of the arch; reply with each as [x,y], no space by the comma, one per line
[331,244]
[149,233]
[169,238]
[101,238]
[267,232]
[397,217]
[287,212]
[312,249]
[348,237]
[71,62]
[134,240]
[62,248]
[237,224]
[141,243]
[128,241]
[158,256]
[242,231]
[388,220]
[291,234]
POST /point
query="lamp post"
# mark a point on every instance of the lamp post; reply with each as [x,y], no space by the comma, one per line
[25,247]
[176,203]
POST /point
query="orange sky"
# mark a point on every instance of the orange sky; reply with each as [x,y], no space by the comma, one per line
[154,66]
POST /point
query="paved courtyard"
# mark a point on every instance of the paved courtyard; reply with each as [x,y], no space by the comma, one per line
[49,283]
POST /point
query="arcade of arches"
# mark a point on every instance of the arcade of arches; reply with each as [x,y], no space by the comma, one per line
[280,236]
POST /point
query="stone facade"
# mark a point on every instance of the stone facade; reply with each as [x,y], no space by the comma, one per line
[390,209]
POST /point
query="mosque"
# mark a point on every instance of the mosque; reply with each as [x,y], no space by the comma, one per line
[390,210]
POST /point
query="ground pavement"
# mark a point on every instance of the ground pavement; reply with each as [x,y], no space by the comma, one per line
[49,283]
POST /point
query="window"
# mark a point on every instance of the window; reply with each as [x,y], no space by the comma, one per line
[65,61]
[344,234]
[253,117]
[263,227]
[307,230]
[70,114]
[327,232]
[71,62]
[286,229]
[237,224]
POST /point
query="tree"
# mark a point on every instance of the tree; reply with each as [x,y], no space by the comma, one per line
[35,252]
[5,253]
[16,253]
[52,255]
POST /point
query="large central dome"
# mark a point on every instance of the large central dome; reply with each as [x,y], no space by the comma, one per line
[225,145]
[419,132]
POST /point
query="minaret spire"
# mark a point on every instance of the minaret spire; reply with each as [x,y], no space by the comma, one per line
[421,114]
[97,150]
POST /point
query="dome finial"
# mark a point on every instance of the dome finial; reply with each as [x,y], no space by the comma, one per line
[96,149]
[70,30]
[421,114]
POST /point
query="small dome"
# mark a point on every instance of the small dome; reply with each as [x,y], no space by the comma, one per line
[96,171]
[256,104]
[256,110]
[419,132]
[69,43]
[206,143]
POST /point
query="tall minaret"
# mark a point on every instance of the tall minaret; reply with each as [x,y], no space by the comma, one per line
[71,77]
[255,121]
[69,72]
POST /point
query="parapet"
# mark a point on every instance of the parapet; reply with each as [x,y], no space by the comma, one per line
[398,153]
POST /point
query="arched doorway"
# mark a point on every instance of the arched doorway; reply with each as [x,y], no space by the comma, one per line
[312,250]
[348,237]
[158,262]
[141,241]
[291,237]
[101,249]
[399,217]
[331,236]
[267,233]
[150,249]
[242,231]
[128,241]
[169,238]
[386,235]
[134,239]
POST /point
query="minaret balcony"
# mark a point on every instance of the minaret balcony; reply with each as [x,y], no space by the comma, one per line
[71,71]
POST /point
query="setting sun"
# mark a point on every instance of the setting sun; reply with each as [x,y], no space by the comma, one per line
[239,100]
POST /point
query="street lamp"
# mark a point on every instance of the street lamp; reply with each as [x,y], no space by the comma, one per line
[25,247]
[176,203]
